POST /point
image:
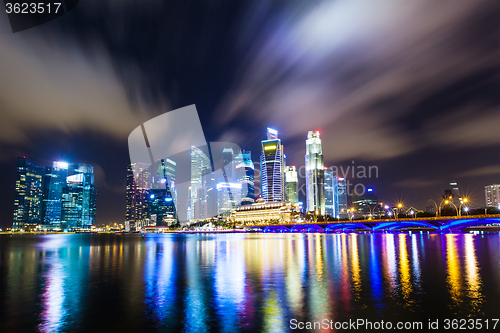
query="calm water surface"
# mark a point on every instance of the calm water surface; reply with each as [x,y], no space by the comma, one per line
[252,282]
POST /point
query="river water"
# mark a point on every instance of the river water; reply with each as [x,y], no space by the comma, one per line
[245,282]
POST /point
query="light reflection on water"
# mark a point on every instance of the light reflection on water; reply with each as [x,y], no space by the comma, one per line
[249,282]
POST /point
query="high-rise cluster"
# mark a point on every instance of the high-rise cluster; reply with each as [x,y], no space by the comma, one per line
[151,194]
[61,197]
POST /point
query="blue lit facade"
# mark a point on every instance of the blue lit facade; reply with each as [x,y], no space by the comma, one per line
[342,197]
[245,170]
[331,194]
[162,196]
[78,200]
[57,181]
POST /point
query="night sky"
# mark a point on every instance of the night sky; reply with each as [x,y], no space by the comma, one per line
[412,87]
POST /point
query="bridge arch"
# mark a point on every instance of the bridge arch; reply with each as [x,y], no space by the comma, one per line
[403,224]
[460,224]
[344,226]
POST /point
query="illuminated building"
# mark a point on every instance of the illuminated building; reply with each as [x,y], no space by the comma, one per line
[331,194]
[264,212]
[272,168]
[315,187]
[246,173]
[342,197]
[162,196]
[366,203]
[57,181]
[291,185]
[137,204]
[78,200]
[230,181]
[200,166]
[29,194]
[492,195]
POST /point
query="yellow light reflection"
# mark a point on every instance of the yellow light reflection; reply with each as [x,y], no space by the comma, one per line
[473,279]
[356,276]
[453,270]
[389,262]
[404,270]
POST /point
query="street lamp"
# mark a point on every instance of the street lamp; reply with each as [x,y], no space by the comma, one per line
[396,213]
[436,207]
[351,215]
[463,201]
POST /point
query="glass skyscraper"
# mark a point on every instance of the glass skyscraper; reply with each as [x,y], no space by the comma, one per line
[291,184]
[57,179]
[137,197]
[78,200]
[162,197]
[315,195]
[200,167]
[246,173]
[331,194]
[272,168]
[342,197]
[29,194]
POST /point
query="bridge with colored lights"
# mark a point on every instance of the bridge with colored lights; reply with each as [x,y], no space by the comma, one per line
[443,223]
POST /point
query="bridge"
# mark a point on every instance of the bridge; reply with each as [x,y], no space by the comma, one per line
[443,223]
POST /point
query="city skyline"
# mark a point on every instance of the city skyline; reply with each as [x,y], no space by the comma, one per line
[426,114]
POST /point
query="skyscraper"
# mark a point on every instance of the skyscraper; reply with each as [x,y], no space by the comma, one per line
[246,176]
[492,194]
[272,168]
[29,194]
[137,196]
[200,165]
[57,178]
[162,195]
[229,188]
[342,197]
[315,188]
[291,184]
[331,194]
[78,201]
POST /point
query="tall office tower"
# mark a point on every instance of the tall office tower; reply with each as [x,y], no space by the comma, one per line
[342,197]
[245,171]
[492,194]
[272,176]
[200,165]
[137,201]
[291,185]
[366,204]
[29,194]
[57,178]
[331,194]
[78,200]
[229,189]
[315,187]
[163,195]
